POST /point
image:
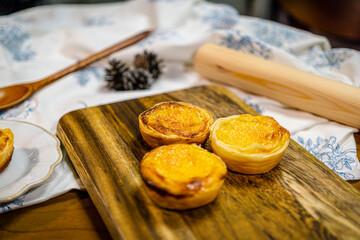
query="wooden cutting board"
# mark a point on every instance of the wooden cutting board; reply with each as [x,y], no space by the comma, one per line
[300,199]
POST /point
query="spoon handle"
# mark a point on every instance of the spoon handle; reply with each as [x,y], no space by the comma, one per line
[89,60]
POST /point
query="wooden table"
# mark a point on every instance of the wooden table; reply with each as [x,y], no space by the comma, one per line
[70,216]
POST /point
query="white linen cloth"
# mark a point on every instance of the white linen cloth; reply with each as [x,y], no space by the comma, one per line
[38,42]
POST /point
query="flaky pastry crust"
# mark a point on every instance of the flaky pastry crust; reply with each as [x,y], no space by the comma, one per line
[249,144]
[182,176]
[175,122]
[6,147]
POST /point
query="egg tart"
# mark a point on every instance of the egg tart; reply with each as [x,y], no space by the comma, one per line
[175,122]
[249,144]
[6,147]
[182,176]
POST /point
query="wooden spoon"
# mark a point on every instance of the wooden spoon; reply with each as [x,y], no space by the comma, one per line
[12,95]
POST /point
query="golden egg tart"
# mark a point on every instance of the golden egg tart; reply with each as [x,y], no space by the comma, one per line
[182,176]
[249,144]
[6,147]
[175,122]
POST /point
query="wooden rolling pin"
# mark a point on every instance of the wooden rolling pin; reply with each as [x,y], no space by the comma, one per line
[303,90]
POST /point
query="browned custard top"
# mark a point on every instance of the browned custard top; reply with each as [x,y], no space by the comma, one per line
[252,134]
[174,118]
[182,169]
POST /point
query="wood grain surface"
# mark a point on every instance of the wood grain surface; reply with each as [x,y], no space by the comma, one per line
[300,198]
[69,216]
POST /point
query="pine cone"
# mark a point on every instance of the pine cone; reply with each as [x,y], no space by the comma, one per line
[137,79]
[114,75]
[150,62]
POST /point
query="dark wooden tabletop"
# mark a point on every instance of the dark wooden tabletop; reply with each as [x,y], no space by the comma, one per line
[69,216]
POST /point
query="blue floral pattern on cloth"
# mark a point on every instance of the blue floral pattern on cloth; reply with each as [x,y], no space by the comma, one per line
[338,56]
[328,151]
[246,44]
[163,0]
[276,34]
[13,38]
[158,35]
[319,58]
[21,112]
[7,206]
[224,17]
[255,106]
[84,76]
[22,19]
[97,21]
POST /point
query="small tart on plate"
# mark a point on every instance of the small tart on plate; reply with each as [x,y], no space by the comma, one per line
[6,147]
[182,176]
[249,144]
[175,122]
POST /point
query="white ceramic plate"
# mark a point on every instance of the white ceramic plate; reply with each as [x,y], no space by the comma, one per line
[35,156]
